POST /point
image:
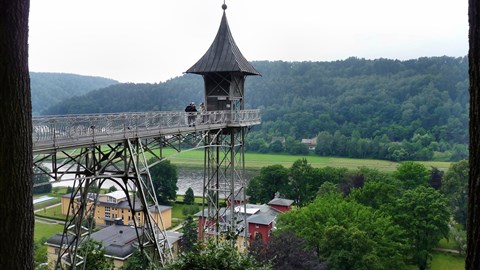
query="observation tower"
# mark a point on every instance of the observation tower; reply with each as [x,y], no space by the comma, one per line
[224,70]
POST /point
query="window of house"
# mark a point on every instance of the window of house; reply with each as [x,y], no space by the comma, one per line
[107,209]
[107,214]
[256,226]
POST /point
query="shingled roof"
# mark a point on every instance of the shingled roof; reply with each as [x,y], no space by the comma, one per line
[223,55]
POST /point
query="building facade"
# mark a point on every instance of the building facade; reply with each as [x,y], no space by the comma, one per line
[114,208]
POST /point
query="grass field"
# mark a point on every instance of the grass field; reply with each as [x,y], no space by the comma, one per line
[53,212]
[257,161]
[444,261]
[45,230]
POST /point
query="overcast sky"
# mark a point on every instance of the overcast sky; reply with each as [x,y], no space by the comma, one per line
[155,40]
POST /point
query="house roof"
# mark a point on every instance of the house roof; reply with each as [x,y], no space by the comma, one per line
[56,239]
[173,237]
[262,218]
[119,194]
[280,202]
[90,195]
[223,55]
[118,240]
[247,210]
[122,204]
[258,214]
[241,196]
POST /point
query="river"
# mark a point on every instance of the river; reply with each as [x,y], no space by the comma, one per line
[187,177]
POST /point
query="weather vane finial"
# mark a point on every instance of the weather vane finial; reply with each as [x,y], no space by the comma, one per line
[224,6]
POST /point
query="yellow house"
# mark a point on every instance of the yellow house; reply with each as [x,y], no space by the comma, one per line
[119,242]
[114,208]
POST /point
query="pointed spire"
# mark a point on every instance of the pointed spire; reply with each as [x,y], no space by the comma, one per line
[224,6]
[223,55]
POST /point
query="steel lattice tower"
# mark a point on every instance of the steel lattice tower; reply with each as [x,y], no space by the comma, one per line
[224,70]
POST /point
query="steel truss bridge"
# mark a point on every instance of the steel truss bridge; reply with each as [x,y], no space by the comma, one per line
[122,147]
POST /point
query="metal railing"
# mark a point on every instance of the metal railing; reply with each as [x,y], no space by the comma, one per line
[71,130]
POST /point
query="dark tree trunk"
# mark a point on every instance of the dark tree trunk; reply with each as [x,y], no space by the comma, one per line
[473,225]
[16,226]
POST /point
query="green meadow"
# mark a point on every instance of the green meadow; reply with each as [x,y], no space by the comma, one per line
[253,161]
[45,229]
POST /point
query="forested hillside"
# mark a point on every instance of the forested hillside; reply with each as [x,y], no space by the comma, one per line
[388,109]
[51,88]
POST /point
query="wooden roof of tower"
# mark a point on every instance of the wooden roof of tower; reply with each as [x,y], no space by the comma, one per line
[223,55]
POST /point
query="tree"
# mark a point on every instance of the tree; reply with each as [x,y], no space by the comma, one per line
[112,189]
[189,196]
[436,178]
[412,174]
[190,235]
[295,147]
[349,248]
[254,190]
[330,174]
[455,188]
[327,189]
[285,251]
[41,179]
[94,254]
[345,234]
[303,186]
[16,186]
[324,144]
[473,225]
[376,194]
[215,256]
[276,147]
[272,179]
[138,261]
[40,252]
[164,178]
[423,214]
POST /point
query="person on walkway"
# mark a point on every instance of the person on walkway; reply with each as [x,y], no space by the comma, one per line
[191,113]
[203,110]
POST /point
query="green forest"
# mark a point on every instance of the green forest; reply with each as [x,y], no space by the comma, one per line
[382,108]
[52,88]
[364,218]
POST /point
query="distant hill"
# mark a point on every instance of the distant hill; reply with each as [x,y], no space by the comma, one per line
[381,108]
[172,95]
[51,88]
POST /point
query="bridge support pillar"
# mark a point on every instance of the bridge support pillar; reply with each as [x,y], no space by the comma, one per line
[127,166]
[224,199]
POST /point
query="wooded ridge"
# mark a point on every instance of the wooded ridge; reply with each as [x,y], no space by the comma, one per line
[382,108]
